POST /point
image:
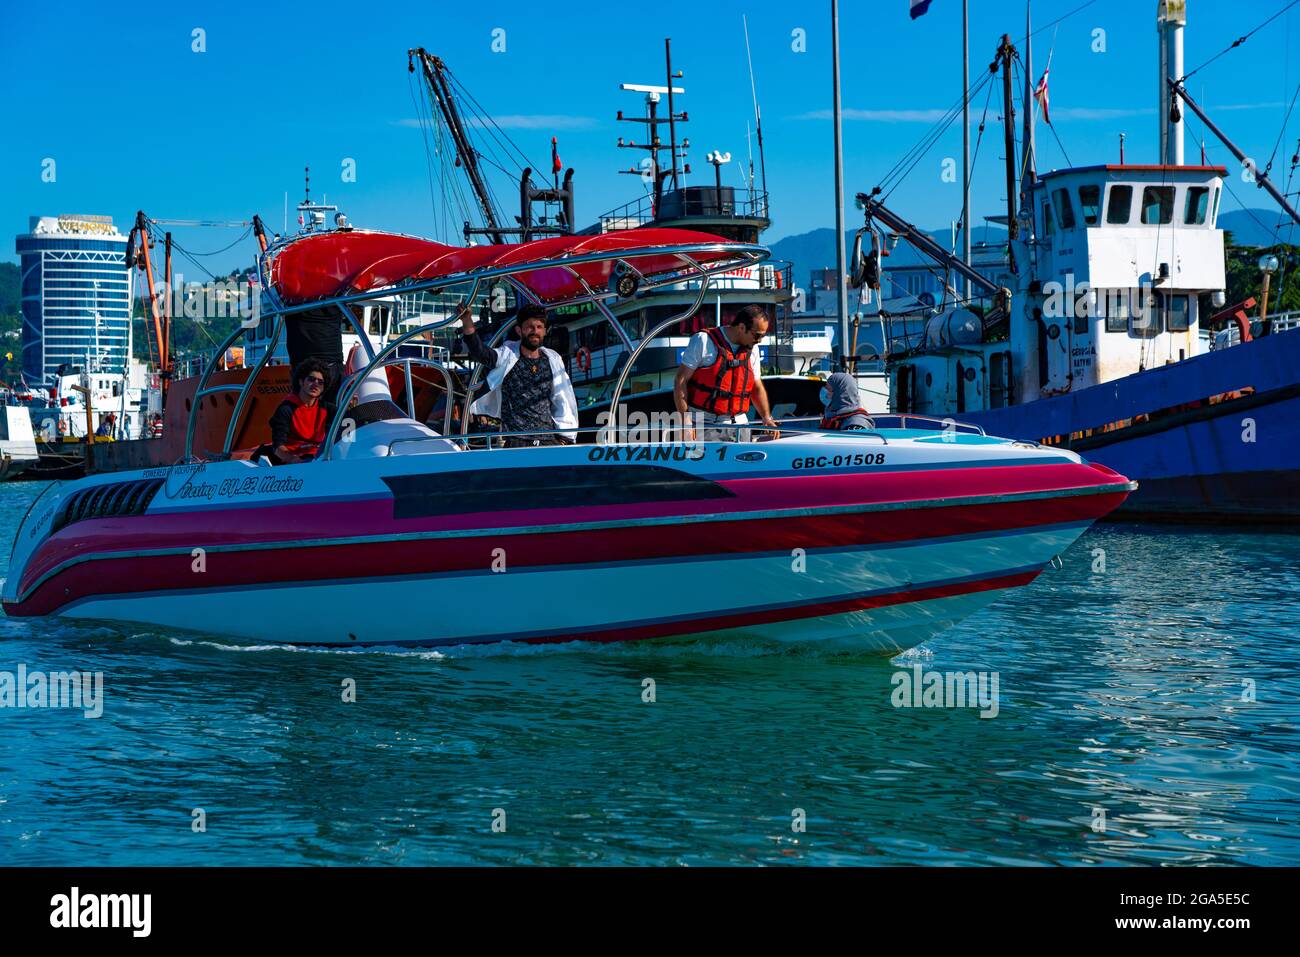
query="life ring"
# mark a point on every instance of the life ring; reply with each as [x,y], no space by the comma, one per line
[583,359]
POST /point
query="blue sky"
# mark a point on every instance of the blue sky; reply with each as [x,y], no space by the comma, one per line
[135,119]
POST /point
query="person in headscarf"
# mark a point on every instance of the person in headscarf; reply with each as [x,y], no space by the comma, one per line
[844,410]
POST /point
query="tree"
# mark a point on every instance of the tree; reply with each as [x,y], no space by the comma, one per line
[1244,279]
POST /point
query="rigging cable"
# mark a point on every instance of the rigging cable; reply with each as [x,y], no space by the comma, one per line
[927,141]
[487,122]
[1063,17]
[418,103]
[903,168]
[216,252]
[1237,42]
[1227,183]
[1282,132]
[979,138]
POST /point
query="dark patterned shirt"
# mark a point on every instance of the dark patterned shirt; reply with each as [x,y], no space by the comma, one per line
[525,391]
[526,396]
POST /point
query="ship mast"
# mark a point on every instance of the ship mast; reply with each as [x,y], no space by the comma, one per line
[965,137]
[1170,20]
[841,275]
[758,122]
[672,117]
[1004,56]
[435,76]
[652,120]
[1029,162]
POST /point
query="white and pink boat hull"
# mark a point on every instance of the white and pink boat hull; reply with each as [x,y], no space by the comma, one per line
[846,540]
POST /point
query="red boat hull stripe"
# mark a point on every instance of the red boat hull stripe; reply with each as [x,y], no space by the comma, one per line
[123,573]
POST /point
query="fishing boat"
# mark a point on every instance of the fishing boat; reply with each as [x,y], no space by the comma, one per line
[400,534]
[1087,335]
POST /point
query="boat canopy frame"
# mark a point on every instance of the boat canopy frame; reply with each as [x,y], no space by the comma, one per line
[732,255]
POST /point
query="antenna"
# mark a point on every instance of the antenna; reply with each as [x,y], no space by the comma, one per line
[672,117]
[306,175]
[749,146]
[758,117]
[1028,160]
[652,144]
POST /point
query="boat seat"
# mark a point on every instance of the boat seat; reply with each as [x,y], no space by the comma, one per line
[391,437]
[376,426]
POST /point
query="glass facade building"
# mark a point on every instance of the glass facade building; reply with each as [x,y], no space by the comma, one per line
[75,296]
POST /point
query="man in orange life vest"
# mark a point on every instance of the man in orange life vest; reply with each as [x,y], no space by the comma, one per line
[298,425]
[719,377]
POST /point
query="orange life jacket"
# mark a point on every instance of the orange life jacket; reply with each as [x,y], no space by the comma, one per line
[308,429]
[723,388]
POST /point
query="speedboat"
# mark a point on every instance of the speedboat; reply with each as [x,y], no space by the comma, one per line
[402,534]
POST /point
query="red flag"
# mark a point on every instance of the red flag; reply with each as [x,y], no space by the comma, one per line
[1040,95]
[556,165]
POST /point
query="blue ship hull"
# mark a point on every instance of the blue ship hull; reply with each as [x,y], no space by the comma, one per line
[1238,459]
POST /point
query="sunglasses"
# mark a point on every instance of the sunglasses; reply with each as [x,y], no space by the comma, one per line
[314,380]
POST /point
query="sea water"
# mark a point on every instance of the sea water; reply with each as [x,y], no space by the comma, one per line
[1145,712]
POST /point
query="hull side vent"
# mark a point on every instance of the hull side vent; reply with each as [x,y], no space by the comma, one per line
[114,500]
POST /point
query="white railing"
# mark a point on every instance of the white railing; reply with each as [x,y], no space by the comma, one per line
[1278,322]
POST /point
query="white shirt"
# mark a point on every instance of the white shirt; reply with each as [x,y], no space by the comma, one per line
[564,406]
[701,352]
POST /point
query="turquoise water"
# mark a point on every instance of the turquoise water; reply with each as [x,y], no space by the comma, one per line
[1119,689]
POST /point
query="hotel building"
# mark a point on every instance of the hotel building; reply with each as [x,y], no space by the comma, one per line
[75,296]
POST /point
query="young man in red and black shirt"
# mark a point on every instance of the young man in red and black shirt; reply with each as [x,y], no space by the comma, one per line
[299,424]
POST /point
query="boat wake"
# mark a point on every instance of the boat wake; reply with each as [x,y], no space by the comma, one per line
[697,648]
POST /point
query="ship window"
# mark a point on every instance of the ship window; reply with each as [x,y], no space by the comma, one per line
[1198,198]
[1048,226]
[634,326]
[1090,204]
[1144,319]
[1113,304]
[1158,205]
[1121,204]
[1064,211]
[1176,313]
[1214,213]
[597,336]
